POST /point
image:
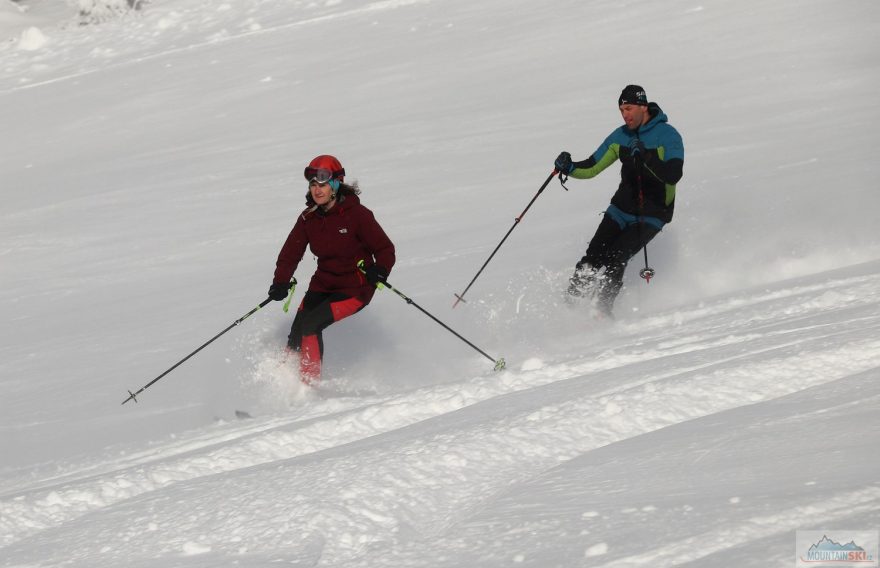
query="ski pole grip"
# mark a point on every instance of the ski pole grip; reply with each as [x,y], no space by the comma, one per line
[380,285]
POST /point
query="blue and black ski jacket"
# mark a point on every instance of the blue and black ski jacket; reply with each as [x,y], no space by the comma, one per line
[662,166]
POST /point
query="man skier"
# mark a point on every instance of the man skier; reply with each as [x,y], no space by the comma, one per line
[652,157]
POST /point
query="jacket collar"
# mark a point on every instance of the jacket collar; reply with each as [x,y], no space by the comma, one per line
[343,204]
[657,116]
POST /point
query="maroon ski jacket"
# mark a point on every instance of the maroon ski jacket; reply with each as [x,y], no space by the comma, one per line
[340,237]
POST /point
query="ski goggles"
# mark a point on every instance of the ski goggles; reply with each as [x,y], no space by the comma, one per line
[322,175]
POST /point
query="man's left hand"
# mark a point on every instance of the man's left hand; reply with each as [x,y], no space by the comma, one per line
[632,152]
[637,148]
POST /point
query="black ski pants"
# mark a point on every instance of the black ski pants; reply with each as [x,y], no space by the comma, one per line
[611,248]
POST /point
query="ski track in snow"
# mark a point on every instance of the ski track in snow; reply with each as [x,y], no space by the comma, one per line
[727,353]
[694,548]
[601,493]
[151,33]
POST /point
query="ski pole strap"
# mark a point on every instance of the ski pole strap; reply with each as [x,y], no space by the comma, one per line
[290,294]
[562,179]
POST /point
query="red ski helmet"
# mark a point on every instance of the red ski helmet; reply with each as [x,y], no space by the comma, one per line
[324,168]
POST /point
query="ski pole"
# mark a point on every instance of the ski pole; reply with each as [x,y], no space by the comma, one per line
[647,272]
[133,395]
[460,297]
[499,363]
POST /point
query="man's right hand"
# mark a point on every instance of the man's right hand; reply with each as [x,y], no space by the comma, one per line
[563,163]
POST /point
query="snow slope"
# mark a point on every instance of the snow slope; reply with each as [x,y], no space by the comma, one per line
[151,173]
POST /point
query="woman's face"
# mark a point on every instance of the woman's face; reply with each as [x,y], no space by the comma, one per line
[322,193]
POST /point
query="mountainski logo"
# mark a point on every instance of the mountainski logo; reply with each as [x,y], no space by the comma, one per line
[837,548]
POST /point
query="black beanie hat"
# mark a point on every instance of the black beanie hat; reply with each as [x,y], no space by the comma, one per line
[633,95]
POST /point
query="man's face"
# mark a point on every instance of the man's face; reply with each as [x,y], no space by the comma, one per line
[634,115]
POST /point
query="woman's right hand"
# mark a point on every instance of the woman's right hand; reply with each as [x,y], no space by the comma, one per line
[278,291]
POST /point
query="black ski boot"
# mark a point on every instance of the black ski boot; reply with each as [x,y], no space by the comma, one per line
[582,283]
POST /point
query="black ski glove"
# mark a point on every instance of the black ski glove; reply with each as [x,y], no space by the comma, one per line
[376,274]
[563,163]
[635,151]
[637,148]
[279,290]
